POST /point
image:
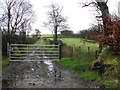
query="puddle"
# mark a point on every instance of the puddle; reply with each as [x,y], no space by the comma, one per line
[50,67]
[32,69]
[48,63]
[54,73]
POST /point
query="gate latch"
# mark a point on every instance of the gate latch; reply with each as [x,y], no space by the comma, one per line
[10,49]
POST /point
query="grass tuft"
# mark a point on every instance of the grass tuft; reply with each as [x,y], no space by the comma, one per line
[5,61]
[90,75]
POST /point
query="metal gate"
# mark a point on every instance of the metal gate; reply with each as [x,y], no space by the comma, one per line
[33,52]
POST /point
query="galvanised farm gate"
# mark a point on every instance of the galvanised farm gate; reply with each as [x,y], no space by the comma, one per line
[33,52]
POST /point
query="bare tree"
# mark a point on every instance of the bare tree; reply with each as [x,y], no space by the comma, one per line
[103,10]
[16,12]
[56,21]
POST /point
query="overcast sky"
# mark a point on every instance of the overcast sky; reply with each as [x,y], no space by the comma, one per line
[78,18]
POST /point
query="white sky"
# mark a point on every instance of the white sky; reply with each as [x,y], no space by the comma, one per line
[78,18]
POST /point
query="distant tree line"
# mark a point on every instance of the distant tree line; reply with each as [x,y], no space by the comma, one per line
[90,33]
[67,33]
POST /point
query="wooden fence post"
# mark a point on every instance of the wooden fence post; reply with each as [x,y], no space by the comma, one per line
[73,48]
[88,50]
[79,49]
[96,54]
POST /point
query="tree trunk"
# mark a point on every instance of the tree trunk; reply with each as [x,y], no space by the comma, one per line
[113,45]
[105,15]
[55,35]
[8,25]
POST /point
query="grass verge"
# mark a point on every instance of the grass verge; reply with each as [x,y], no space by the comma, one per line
[5,61]
[80,68]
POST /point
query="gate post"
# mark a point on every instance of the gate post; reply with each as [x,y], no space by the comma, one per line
[59,51]
[42,52]
[0,59]
[27,52]
[8,50]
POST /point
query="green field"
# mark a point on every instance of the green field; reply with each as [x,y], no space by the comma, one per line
[46,35]
[79,42]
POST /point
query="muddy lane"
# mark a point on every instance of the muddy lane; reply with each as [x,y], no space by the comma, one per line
[40,74]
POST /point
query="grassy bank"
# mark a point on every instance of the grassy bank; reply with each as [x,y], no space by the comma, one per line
[81,62]
[81,68]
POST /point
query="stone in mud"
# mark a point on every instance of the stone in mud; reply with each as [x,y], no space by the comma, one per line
[32,83]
